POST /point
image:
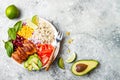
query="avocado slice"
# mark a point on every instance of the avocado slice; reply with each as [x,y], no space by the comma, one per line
[82,67]
[34,59]
[26,64]
[29,67]
[39,64]
[35,67]
[33,63]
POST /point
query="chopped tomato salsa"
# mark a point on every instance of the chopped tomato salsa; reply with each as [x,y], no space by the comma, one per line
[44,51]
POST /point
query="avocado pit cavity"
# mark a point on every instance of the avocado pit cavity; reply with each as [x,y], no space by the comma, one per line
[81,67]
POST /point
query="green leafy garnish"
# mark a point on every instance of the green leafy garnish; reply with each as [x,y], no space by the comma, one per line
[12,33]
[18,26]
[9,48]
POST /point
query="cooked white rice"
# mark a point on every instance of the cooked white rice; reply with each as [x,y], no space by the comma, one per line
[44,33]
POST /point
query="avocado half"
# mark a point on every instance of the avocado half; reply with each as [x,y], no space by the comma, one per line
[91,64]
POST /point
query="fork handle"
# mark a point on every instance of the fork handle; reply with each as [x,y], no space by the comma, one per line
[50,60]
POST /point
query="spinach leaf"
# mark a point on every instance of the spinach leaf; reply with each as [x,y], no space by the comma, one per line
[18,26]
[9,48]
[12,33]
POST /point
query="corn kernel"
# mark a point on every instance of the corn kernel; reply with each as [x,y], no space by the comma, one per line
[26,31]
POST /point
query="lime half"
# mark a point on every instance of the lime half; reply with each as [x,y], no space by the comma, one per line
[71,58]
[35,20]
[61,63]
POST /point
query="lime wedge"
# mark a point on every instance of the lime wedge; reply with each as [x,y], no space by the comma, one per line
[71,58]
[61,63]
[35,20]
[30,24]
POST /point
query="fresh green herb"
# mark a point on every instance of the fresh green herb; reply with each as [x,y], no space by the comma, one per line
[9,48]
[18,26]
[12,33]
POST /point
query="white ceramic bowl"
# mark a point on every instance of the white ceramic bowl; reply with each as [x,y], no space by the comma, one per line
[55,33]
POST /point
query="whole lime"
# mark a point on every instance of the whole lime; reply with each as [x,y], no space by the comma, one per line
[12,12]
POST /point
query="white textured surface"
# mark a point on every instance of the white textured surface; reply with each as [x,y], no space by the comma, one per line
[94,26]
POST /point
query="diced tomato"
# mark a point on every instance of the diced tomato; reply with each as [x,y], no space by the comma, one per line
[44,51]
[44,60]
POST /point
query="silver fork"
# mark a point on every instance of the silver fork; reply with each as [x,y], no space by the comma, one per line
[58,39]
[59,36]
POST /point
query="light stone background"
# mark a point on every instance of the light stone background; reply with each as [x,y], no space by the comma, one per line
[94,27]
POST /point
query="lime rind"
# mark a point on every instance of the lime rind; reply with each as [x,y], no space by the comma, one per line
[61,63]
[35,20]
[71,58]
[12,12]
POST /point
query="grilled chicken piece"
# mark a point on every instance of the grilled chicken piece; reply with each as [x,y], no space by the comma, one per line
[22,53]
[16,57]
[29,47]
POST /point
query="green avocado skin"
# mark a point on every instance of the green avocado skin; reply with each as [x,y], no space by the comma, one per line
[33,62]
[87,60]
